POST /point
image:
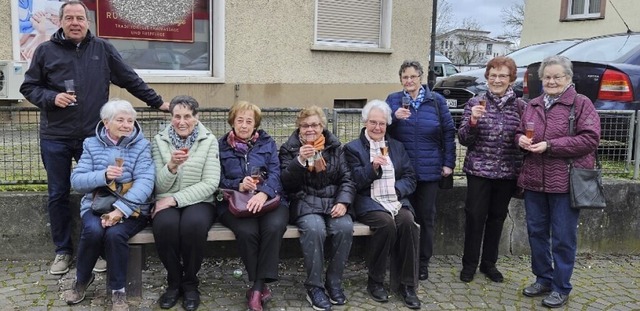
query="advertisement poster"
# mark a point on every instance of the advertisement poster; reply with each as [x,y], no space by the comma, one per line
[37,21]
[136,20]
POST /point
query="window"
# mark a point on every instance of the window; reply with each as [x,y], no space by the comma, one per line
[450,69]
[489,49]
[356,23]
[582,9]
[349,103]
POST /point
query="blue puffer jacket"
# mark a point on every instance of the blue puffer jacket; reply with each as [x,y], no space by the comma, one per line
[358,157]
[429,147]
[100,152]
[235,165]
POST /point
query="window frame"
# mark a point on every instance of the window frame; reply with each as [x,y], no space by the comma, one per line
[565,11]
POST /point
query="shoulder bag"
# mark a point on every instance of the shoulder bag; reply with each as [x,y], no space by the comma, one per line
[445,182]
[238,203]
[104,198]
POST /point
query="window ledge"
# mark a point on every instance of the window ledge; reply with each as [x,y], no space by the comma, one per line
[581,18]
[354,49]
[180,79]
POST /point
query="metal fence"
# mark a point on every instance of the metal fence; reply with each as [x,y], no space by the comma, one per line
[20,148]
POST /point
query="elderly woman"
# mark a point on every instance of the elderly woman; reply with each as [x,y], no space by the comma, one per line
[492,165]
[118,155]
[552,224]
[384,179]
[423,123]
[187,174]
[258,238]
[317,180]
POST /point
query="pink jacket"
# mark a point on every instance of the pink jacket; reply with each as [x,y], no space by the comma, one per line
[549,171]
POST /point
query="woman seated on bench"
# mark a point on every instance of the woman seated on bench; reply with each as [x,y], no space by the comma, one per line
[187,174]
[243,150]
[118,155]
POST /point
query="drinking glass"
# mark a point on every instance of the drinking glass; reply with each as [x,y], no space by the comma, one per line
[529,129]
[482,102]
[70,88]
[405,102]
[255,176]
[384,148]
[185,150]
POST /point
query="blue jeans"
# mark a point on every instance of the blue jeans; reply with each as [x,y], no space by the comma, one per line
[552,226]
[314,229]
[110,243]
[56,157]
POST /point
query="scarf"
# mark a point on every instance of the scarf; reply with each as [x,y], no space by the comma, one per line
[317,163]
[418,101]
[500,101]
[550,100]
[178,142]
[383,190]
[239,144]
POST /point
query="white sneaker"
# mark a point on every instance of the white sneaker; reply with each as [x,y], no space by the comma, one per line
[60,264]
[101,265]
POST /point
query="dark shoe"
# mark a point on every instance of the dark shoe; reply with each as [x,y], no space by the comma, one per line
[423,273]
[255,301]
[377,291]
[318,299]
[467,275]
[169,298]
[408,294]
[265,295]
[535,290]
[492,273]
[555,300]
[336,295]
[77,292]
[191,300]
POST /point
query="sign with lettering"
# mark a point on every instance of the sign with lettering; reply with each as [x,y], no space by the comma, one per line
[138,23]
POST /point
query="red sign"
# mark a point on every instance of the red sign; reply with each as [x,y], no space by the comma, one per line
[110,25]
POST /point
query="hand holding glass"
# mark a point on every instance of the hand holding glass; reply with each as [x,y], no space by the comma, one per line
[70,88]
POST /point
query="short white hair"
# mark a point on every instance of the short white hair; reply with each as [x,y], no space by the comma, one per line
[376,104]
[115,106]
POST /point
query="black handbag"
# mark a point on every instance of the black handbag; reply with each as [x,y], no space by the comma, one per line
[585,185]
[238,203]
[104,198]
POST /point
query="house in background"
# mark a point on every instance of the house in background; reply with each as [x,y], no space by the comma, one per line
[467,46]
[546,20]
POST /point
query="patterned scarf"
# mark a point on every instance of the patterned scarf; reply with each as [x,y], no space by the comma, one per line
[317,163]
[239,144]
[550,100]
[383,190]
[500,101]
[178,142]
[418,101]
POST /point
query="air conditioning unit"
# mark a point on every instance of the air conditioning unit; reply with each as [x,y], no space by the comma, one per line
[11,77]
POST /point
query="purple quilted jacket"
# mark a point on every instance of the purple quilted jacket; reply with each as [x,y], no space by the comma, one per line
[549,171]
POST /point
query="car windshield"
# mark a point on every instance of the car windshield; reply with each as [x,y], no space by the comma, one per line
[535,53]
[606,49]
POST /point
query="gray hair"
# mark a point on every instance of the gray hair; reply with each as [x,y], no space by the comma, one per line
[563,61]
[116,106]
[184,100]
[376,104]
[411,63]
[74,2]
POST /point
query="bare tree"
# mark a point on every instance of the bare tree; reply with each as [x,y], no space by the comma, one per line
[444,18]
[513,18]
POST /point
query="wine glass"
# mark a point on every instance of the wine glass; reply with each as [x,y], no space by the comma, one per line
[70,88]
[256,173]
[384,148]
[405,102]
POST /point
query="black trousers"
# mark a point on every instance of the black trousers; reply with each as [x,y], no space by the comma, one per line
[423,201]
[486,208]
[180,236]
[259,240]
[398,237]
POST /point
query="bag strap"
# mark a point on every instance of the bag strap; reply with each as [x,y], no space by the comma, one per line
[125,200]
[572,131]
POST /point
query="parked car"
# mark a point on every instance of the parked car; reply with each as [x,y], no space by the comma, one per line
[458,88]
[155,59]
[443,67]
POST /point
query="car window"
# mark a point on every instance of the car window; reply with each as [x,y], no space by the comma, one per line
[606,49]
[535,53]
[450,69]
[437,70]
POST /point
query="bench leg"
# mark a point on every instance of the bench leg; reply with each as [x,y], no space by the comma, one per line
[134,271]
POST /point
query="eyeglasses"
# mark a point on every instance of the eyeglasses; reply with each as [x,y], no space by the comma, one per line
[314,126]
[409,77]
[494,77]
[375,124]
[555,79]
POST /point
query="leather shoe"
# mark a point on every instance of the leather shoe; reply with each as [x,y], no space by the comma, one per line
[423,273]
[255,301]
[467,275]
[191,300]
[377,291]
[169,298]
[409,297]
[492,273]
[555,300]
[265,295]
[535,290]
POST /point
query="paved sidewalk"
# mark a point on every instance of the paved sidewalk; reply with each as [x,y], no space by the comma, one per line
[601,282]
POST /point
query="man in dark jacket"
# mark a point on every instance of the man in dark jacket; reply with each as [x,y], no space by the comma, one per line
[92,64]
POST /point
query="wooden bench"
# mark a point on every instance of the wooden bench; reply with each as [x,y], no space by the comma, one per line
[217,233]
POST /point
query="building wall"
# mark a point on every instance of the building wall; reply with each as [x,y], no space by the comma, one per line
[542,21]
[270,61]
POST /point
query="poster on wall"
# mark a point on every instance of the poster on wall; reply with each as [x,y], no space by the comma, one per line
[170,21]
[37,21]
